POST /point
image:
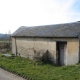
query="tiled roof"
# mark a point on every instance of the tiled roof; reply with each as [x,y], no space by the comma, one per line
[58,30]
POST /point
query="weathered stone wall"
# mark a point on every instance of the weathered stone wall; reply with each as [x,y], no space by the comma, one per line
[13,46]
[26,47]
[73,52]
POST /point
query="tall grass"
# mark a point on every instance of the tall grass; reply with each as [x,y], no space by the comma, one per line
[29,69]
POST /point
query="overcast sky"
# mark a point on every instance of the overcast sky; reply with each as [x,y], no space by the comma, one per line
[16,13]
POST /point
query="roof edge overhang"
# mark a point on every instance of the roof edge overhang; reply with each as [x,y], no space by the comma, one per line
[43,37]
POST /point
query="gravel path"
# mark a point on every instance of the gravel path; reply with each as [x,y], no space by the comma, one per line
[5,75]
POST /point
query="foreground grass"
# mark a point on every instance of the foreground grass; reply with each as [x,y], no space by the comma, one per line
[28,68]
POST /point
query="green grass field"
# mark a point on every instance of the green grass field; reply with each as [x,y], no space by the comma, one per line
[27,68]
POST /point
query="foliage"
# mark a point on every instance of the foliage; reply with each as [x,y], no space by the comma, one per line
[28,69]
[5,47]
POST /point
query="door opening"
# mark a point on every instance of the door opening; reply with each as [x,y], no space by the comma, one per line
[61,52]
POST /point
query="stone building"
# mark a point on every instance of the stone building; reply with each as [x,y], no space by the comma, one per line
[62,41]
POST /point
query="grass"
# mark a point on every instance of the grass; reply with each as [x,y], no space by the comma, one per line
[1,41]
[27,68]
[5,41]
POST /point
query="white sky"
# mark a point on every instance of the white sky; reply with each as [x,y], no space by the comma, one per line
[16,13]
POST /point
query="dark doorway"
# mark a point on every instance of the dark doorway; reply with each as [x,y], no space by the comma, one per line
[61,52]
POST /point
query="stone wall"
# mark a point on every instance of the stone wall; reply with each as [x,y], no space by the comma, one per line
[27,47]
[73,52]
[14,46]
